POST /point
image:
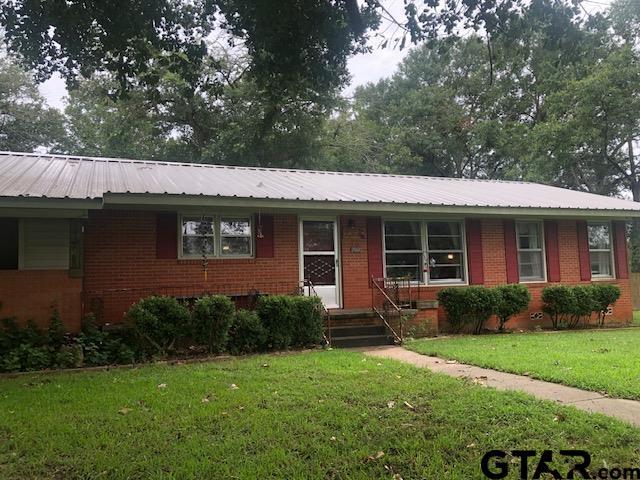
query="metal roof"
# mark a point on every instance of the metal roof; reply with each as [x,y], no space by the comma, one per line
[27,175]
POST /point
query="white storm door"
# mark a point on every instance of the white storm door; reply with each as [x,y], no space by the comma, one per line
[319,262]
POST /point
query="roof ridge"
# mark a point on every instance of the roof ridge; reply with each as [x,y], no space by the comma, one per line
[252,168]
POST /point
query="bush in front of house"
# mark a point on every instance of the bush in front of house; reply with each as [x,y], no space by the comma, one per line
[246,334]
[559,304]
[511,300]
[100,347]
[309,321]
[211,318]
[277,314]
[468,306]
[583,305]
[604,295]
[157,323]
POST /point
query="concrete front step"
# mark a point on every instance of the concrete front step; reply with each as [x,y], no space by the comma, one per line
[357,330]
[361,341]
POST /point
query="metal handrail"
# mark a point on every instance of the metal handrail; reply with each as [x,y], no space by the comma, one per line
[309,283]
[398,338]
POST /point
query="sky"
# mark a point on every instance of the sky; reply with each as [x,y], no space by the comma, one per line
[364,68]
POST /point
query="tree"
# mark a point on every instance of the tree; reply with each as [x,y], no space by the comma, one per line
[26,123]
[217,114]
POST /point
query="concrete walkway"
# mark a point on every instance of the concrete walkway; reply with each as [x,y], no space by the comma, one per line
[627,410]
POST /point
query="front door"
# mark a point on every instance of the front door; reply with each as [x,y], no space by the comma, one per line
[319,262]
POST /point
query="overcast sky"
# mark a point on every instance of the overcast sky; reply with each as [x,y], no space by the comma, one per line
[364,68]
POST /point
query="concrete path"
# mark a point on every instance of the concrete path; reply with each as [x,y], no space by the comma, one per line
[627,410]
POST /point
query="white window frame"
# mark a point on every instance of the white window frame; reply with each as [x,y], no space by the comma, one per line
[610,250]
[542,250]
[421,228]
[426,281]
[217,237]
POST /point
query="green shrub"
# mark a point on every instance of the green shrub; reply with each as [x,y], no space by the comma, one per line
[211,319]
[471,306]
[559,304]
[583,305]
[452,300]
[277,314]
[103,348]
[246,334]
[604,295]
[157,323]
[309,321]
[511,300]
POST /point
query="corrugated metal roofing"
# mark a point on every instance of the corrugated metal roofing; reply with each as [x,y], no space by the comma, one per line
[66,177]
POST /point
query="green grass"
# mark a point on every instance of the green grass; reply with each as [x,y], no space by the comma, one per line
[311,415]
[603,361]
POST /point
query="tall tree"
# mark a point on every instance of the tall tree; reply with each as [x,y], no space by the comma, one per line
[26,123]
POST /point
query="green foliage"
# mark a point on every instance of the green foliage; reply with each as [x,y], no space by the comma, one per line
[604,295]
[157,323]
[567,306]
[277,314]
[246,334]
[511,300]
[211,318]
[558,303]
[471,306]
[100,347]
[309,320]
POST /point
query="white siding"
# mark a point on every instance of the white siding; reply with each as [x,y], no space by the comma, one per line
[44,244]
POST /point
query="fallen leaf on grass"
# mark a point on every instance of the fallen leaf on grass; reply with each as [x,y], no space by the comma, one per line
[391,404]
[333,439]
[409,406]
[451,362]
[233,386]
[378,455]
[162,385]
[471,445]
[397,477]
[265,365]
[125,410]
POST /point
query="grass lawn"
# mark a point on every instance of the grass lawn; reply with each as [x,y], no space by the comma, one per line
[310,415]
[604,361]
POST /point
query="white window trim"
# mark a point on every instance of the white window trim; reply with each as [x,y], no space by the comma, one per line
[424,239]
[598,278]
[217,238]
[543,250]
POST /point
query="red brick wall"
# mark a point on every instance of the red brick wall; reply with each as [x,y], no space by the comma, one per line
[121,264]
[355,271]
[33,294]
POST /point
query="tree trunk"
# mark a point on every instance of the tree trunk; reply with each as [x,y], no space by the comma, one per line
[635,224]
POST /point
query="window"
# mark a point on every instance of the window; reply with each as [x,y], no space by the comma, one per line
[235,236]
[197,236]
[445,251]
[530,251]
[403,249]
[443,247]
[600,250]
[211,235]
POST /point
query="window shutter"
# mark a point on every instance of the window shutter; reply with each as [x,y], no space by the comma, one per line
[166,235]
[474,251]
[620,249]
[583,250]
[511,251]
[264,246]
[374,247]
[552,250]
[9,244]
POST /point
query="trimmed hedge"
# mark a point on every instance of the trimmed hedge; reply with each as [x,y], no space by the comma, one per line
[158,323]
[468,306]
[511,300]
[567,306]
[246,334]
[211,318]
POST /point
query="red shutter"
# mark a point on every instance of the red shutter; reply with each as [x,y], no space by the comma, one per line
[583,250]
[264,243]
[374,247]
[474,251]
[166,235]
[552,249]
[511,251]
[620,249]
